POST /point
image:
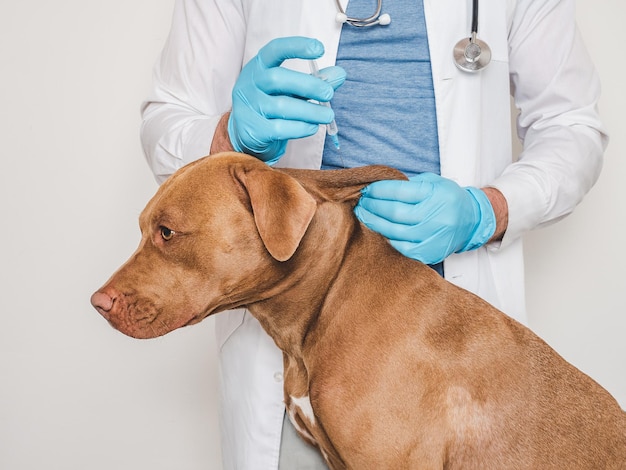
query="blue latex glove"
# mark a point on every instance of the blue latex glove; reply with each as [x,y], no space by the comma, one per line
[428,217]
[270,102]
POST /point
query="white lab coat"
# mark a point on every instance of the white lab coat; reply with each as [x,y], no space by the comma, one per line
[537,56]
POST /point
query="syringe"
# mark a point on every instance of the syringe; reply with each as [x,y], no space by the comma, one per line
[331,128]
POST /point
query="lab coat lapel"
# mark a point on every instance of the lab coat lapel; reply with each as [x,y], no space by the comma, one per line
[447,21]
[468,104]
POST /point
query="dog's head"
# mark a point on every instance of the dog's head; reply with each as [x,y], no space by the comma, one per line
[219,234]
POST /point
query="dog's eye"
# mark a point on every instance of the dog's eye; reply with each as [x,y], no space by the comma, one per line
[166,233]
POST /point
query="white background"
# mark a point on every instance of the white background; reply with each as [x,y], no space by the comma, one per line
[74,393]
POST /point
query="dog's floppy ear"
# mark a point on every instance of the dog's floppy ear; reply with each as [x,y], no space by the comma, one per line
[282,210]
[342,185]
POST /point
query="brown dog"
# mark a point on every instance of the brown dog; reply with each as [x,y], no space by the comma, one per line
[387,365]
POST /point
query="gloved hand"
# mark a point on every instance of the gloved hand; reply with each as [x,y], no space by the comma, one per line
[428,217]
[270,103]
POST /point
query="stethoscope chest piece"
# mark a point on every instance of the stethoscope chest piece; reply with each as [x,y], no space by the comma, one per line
[471,54]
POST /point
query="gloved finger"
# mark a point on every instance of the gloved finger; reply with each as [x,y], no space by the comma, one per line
[283,129]
[410,192]
[278,50]
[335,76]
[282,81]
[275,134]
[293,109]
[393,211]
[388,229]
[427,177]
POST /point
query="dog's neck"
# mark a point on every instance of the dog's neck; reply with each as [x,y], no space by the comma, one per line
[296,300]
[336,253]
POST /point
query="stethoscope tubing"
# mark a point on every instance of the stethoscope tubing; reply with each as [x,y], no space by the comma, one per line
[472,54]
[469,54]
[474,17]
[361,22]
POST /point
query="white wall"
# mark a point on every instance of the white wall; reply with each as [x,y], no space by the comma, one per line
[74,393]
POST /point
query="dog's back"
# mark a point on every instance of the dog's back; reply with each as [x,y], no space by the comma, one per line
[387,365]
[441,377]
[410,371]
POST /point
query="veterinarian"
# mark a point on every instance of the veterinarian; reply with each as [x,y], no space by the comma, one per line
[233,76]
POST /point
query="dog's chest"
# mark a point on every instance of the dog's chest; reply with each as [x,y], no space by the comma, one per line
[302,416]
[298,403]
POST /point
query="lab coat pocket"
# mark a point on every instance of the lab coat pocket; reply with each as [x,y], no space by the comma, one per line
[493,27]
[226,323]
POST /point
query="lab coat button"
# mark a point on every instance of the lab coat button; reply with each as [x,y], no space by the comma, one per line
[278,376]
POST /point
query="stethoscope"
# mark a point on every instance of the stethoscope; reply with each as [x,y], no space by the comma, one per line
[470,54]
[375,19]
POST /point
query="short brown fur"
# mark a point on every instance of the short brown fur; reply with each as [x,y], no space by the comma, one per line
[403,369]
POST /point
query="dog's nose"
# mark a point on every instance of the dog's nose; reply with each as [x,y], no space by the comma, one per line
[103,303]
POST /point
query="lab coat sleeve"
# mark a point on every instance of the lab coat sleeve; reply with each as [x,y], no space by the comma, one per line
[192,83]
[556,89]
